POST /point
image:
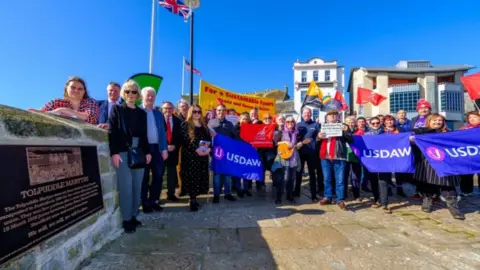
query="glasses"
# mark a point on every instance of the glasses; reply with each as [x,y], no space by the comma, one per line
[290,122]
[268,118]
[128,92]
[375,123]
[168,108]
[196,112]
[220,110]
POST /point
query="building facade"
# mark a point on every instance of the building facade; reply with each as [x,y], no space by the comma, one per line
[407,82]
[328,75]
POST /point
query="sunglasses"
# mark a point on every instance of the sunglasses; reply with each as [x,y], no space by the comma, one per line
[128,92]
[290,122]
[196,112]
[375,123]
[268,118]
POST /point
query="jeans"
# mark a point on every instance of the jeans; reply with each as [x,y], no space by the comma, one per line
[151,191]
[172,180]
[310,159]
[339,172]
[285,175]
[380,182]
[218,180]
[129,187]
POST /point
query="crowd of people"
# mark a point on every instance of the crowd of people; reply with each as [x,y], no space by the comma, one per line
[177,140]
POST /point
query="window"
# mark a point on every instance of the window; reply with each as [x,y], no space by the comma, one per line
[304,76]
[315,114]
[327,75]
[302,95]
[315,75]
[404,101]
[451,101]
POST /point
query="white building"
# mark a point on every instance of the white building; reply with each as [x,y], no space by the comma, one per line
[408,81]
[328,75]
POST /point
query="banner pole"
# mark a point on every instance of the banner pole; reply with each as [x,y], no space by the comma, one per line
[191,57]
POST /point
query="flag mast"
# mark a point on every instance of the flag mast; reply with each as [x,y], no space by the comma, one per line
[191,56]
[152,32]
[183,76]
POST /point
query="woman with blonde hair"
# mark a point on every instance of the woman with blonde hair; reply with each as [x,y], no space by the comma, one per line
[428,182]
[76,102]
[127,131]
[195,151]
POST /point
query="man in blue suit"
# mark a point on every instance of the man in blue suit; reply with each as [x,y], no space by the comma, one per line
[105,106]
[157,141]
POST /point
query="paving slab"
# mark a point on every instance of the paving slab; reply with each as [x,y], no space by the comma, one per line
[255,233]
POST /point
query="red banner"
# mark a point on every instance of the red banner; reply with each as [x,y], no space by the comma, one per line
[260,136]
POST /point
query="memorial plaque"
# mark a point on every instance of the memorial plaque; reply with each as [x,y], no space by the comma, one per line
[45,189]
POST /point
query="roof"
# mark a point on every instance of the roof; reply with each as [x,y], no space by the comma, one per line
[308,61]
[450,68]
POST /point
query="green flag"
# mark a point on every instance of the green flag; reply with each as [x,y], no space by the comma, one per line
[147,79]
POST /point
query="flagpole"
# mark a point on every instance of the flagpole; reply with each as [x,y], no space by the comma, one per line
[191,58]
[183,76]
[152,31]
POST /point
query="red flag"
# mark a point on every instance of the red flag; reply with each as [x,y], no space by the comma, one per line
[472,85]
[341,101]
[259,136]
[365,95]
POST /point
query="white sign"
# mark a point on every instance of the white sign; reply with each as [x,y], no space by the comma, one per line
[332,130]
[232,118]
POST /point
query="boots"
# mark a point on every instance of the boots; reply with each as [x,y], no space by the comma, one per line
[452,205]
[427,204]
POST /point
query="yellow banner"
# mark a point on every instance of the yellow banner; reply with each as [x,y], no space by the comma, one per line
[211,96]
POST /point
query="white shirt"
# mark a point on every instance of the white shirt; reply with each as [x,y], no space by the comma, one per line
[110,105]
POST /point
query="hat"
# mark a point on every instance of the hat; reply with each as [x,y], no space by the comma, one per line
[423,103]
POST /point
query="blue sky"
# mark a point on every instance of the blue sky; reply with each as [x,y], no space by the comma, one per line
[242,46]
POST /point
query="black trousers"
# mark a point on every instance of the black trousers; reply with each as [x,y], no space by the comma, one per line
[466,183]
[151,191]
[310,159]
[379,183]
[429,190]
[172,180]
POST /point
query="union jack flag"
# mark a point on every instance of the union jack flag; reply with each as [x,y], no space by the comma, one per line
[176,7]
[188,67]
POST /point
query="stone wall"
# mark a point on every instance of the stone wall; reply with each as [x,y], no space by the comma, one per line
[69,248]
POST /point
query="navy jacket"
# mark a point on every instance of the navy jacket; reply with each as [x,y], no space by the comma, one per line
[161,130]
[405,126]
[103,108]
[308,129]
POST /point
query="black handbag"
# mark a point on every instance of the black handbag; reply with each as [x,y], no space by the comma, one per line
[135,155]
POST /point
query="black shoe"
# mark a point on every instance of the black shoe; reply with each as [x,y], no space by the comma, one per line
[173,198]
[135,222]
[248,193]
[452,205]
[400,192]
[427,204]
[230,197]
[278,201]
[240,194]
[314,199]
[147,209]
[296,194]
[291,200]
[128,227]
[216,199]
[157,208]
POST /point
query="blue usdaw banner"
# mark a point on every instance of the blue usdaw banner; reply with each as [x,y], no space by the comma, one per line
[236,158]
[384,153]
[452,153]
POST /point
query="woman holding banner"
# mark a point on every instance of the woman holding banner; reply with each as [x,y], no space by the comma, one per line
[428,182]
[466,182]
[196,148]
[379,181]
[237,182]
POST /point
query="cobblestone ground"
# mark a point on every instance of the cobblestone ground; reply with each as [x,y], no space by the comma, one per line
[254,233]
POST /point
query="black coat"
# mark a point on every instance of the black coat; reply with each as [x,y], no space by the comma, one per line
[172,159]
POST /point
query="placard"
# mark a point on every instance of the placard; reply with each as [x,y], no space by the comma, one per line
[332,130]
[45,189]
